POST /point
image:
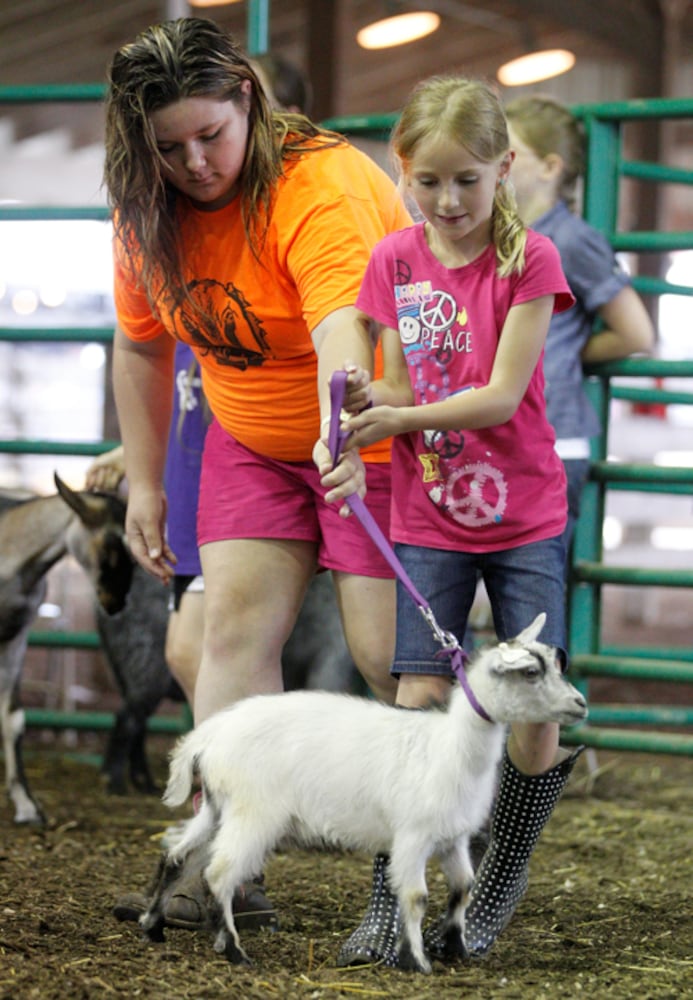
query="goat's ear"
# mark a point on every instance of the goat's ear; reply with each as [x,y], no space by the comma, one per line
[532,631]
[93,510]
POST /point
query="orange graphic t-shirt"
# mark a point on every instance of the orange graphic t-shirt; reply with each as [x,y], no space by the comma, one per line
[259,366]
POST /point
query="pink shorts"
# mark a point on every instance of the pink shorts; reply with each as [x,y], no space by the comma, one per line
[246,495]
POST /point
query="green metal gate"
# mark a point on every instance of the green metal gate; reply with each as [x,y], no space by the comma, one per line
[644,727]
[54,639]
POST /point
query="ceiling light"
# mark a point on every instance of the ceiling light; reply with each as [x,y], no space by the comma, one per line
[398,30]
[535,66]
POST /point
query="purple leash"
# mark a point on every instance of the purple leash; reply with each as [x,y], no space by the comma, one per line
[450,645]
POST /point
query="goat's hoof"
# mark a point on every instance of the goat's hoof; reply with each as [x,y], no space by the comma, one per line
[145,784]
[237,957]
[153,927]
[36,821]
[30,814]
[408,962]
[226,946]
[445,943]
[116,788]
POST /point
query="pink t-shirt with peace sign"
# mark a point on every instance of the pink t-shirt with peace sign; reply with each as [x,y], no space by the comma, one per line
[477,491]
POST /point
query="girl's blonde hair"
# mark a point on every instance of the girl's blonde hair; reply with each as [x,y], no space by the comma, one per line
[467,112]
[187,57]
[548,127]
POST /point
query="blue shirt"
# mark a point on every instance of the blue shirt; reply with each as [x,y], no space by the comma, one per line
[595,278]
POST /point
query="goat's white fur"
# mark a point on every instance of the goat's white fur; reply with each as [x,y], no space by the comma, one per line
[321,768]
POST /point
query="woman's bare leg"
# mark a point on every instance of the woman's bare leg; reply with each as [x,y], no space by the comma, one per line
[254,589]
[367,606]
[184,641]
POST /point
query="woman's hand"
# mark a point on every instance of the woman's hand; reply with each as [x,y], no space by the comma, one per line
[342,480]
[145,530]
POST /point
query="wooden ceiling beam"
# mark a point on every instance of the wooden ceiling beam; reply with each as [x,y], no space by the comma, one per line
[630,26]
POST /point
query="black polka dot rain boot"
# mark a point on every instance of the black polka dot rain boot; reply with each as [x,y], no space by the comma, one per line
[522,808]
[375,939]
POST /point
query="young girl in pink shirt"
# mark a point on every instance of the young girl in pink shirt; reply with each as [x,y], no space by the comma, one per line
[462,301]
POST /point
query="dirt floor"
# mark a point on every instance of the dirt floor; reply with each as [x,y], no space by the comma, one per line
[607,913]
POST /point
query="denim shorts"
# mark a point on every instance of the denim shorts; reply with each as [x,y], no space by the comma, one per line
[520,582]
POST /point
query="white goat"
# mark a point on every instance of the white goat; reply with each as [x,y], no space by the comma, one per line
[318,768]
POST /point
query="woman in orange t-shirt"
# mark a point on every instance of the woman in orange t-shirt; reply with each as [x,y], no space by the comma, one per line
[245,233]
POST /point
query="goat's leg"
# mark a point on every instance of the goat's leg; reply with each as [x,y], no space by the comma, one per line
[140,773]
[227,941]
[26,808]
[238,853]
[444,940]
[152,920]
[197,831]
[408,880]
[116,754]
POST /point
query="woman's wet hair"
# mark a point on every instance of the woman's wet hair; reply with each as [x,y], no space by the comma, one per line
[166,63]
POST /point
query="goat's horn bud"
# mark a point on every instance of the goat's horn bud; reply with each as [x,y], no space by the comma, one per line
[509,654]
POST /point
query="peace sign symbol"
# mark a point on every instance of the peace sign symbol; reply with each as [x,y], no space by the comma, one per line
[402,272]
[440,312]
[476,495]
[447,444]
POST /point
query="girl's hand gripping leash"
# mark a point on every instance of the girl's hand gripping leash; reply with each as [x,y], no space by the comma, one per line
[450,645]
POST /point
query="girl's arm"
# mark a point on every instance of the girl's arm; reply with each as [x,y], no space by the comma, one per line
[627,329]
[519,349]
[142,382]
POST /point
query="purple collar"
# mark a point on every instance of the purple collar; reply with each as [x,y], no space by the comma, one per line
[458,662]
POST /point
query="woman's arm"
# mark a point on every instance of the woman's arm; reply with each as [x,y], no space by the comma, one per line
[519,349]
[343,334]
[627,329]
[142,382]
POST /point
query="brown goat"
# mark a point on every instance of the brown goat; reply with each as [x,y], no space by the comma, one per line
[34,534]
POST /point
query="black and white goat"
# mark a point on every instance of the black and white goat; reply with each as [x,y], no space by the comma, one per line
[133,641]
[134,645]
[34,534]
[319,769]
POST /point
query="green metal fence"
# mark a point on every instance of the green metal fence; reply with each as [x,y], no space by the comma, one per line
[644,727]
[79,640]
[625,727]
